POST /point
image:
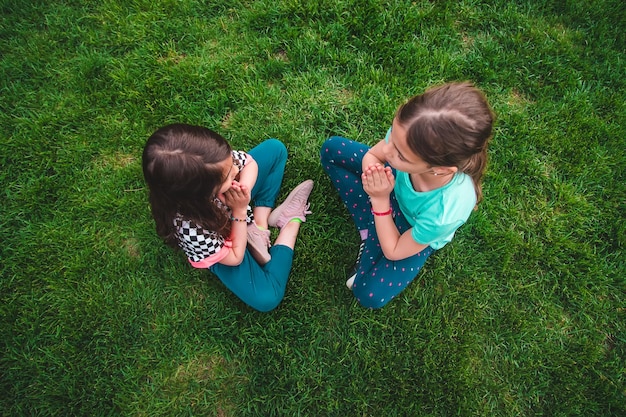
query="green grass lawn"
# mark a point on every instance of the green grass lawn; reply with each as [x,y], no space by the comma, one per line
[523,314]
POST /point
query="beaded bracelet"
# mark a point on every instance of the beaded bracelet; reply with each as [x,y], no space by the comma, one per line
[384,213]
[234,219]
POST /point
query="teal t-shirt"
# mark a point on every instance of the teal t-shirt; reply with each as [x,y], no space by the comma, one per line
[435,215]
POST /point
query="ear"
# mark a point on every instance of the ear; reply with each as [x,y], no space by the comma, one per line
[445,170]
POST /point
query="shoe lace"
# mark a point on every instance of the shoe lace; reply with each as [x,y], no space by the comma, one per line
[358,257]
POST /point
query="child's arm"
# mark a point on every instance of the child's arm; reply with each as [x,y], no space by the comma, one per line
[249,173]
[237,198]
[378,182]
[374,156]
[396,246]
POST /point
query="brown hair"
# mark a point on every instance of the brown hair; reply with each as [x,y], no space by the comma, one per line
[180,166]
[450,125]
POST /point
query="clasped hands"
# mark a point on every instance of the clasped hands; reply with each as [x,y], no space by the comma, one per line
[378,181]
[237,196]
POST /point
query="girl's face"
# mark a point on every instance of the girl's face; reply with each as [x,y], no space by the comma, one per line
[399,155]
[230,171]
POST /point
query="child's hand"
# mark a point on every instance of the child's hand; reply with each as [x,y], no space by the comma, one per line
[237,196]
[378,181]
[249,173]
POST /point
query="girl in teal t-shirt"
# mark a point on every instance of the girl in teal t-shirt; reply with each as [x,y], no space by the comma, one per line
[410,192]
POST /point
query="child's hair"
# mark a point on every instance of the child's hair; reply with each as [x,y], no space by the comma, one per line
[450,125]
[180,165]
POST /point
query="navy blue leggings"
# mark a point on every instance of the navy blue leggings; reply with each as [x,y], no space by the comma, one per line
[262,287]
[378,280]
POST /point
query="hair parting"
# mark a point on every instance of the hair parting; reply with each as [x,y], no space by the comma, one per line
[450,125]
[181,165]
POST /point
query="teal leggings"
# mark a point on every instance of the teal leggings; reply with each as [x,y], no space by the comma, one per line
[262,287]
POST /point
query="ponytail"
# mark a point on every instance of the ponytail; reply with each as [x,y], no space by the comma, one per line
[475,167]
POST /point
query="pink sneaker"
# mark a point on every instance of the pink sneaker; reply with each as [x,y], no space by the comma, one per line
[259,243]
[294,206]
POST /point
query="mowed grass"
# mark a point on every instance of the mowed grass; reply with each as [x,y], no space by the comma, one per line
[523,314]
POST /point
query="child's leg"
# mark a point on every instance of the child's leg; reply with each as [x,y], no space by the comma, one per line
[385,279]
[341,159]
[379,280]
[288,234]
[262,288]
[271,157]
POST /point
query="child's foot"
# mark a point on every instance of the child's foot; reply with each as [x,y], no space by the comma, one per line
[350,281]
[295,206]
[258,244]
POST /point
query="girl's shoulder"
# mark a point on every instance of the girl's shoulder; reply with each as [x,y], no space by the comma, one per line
[240,158]
[461,182]
[458,198]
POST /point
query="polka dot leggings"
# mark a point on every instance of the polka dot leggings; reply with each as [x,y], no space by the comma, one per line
[378,280]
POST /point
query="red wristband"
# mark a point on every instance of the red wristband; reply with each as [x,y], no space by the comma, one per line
[384,213]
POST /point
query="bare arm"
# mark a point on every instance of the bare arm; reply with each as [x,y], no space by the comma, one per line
[237,198]
[249,173]
[378,182]
[374,156]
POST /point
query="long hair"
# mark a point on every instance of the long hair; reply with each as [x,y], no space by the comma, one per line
[450,125]
[181,167]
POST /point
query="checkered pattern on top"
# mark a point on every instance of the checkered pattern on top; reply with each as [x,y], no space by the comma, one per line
[239,159]
[197,242]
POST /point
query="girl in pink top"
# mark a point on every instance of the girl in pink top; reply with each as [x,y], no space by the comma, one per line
[200,191]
